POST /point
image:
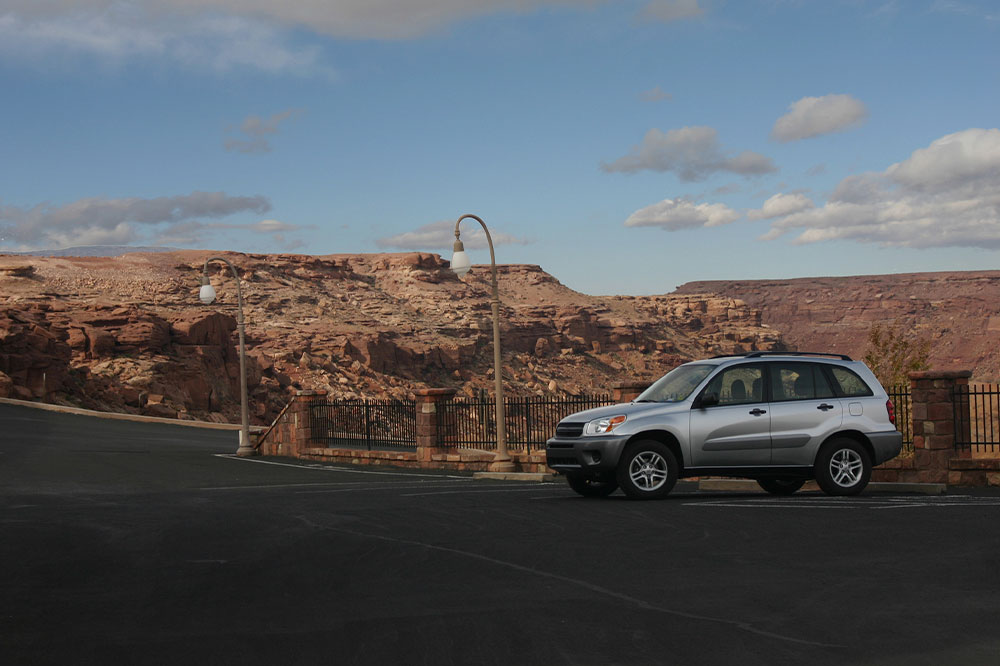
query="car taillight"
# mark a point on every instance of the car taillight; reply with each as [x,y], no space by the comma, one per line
[889,407]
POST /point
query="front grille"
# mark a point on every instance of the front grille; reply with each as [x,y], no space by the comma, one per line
[569,429]
[560,460]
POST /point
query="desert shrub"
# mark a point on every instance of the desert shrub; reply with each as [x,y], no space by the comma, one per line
[894,352]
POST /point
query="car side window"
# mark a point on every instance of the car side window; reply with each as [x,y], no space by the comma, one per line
[798,381]
[739,385]
[851,386]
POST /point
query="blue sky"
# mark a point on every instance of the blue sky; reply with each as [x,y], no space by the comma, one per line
[625,146]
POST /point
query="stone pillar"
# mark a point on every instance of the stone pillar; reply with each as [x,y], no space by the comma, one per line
[932,393]
[300,415]
[429,430]
[292,430]
[627,391]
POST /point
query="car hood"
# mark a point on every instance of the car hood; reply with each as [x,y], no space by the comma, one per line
[630,409]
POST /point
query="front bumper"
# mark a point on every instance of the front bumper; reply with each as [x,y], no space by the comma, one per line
[591,456]
[886,445]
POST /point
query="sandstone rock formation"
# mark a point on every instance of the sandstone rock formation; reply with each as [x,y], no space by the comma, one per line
[128,333]
[958,311]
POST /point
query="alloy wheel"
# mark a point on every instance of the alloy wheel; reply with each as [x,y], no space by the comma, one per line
[846,468]
[648,471]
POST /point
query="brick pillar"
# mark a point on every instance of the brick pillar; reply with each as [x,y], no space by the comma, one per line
[429,439]
[932,393]
[627,391]
[301,418]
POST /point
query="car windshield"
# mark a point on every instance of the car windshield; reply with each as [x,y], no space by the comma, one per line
[677,384]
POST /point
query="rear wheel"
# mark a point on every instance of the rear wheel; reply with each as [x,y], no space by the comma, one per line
[781,486]
[591,487]
[843,467]
[647,470]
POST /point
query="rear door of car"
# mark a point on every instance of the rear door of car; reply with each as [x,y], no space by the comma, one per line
[736,432]
[804,411]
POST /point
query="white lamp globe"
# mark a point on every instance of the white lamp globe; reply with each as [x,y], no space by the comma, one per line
[460,260]
[207,294]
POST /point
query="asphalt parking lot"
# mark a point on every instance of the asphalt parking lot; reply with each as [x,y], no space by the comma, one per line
[147,544]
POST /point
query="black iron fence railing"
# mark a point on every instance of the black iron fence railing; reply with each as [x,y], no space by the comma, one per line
[903,402]
[529,420]
[977,418]
[365,424]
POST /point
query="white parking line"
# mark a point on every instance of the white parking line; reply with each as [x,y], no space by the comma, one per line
[532,488]
[344,485]
[369,488]
[333,468]
[852,503]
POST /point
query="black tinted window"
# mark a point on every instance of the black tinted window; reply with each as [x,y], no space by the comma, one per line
[798,381]
[850,384]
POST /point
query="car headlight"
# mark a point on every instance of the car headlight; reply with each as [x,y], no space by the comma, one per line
[604,425]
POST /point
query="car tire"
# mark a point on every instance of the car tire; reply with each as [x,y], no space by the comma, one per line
[843,467]
[781,486]
[648,470]
[589,487]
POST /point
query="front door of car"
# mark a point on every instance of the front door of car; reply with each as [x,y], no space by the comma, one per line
[804,411]
[731,422]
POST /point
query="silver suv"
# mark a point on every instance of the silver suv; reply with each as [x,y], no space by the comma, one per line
[780,418]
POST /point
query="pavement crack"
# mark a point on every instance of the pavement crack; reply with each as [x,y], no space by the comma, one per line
[620,596]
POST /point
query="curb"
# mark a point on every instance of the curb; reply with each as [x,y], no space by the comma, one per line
[538,477]
[748,486]
[115,416]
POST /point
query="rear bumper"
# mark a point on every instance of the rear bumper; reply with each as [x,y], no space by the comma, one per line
[886,445]
[590,456]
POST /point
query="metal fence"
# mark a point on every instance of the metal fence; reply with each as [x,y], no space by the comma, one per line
[977,419]
[903,402]
[365,424]
[529,420]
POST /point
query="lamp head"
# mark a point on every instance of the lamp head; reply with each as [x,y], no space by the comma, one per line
[460,260]
[207,292]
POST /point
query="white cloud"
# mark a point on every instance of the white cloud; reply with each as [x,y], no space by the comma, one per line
[355,19]
[122,32]
[671,10]
[964,159]
[781,205]
[656,94]
[271,226]
[814,116]
[692,152]
[195,233]
[945,195]
[439,237]
[257,130]
[675,214]
[116,221]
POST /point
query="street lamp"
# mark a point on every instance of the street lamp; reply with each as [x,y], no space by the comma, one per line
[207,296]
[460,264]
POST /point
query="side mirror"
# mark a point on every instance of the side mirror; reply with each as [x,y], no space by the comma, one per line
[707,400]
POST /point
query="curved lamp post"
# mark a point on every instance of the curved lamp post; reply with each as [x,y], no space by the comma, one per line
[207,296]
[460,264]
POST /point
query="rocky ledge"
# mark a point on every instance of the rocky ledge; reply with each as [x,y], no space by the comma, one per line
[128,333]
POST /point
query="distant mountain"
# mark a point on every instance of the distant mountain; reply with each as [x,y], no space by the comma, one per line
[93,251]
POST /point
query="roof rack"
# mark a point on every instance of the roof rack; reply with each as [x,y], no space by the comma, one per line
[842,357]
[758,354]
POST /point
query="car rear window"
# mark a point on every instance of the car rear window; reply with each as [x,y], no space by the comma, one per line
[851,385]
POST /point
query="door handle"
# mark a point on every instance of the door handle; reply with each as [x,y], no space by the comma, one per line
[758,412]
[824,407]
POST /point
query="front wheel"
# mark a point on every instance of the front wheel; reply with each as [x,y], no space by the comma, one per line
[648,470]
[843,467]
[591,487]
[781,486]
